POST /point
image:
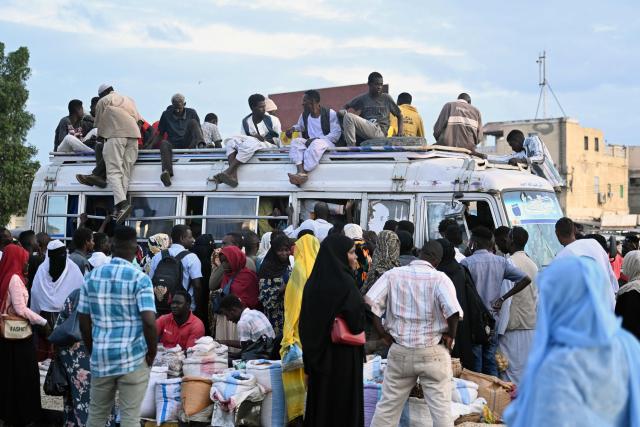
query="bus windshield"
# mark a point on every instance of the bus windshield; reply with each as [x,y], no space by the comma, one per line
[536,212]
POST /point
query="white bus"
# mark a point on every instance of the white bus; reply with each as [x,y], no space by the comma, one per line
[419,184]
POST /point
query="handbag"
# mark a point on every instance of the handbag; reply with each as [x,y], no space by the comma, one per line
[68,332]
[56,382]
[14,327]
[340,334]
[218,294]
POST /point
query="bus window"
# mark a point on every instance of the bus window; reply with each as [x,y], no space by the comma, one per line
[230,206]
[195,206]
[146,207]
[56,227]
[274,206]
[337,212]
[382,210]
[478,213]
[97,206]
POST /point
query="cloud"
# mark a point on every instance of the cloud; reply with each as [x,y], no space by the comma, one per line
[124,31]
[316,9]
[604,28]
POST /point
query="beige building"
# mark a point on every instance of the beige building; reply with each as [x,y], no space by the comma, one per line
[597,174]
[634,180]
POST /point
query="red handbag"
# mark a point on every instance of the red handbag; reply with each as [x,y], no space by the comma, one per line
[340,334]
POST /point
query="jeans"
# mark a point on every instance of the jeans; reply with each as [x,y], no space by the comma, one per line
[404,366]
[132,387]
[485,357]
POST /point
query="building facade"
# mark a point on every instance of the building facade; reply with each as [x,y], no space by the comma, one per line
[597,174]
[634,180]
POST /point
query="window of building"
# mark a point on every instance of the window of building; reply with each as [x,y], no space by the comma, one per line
[609,193]
[586,143]
[622,191]
[596,144]
[596,184]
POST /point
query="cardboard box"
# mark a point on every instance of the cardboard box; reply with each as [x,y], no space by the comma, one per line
[496,392]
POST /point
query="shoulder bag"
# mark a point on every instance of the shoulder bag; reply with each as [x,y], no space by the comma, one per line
[13,327]
[340,334]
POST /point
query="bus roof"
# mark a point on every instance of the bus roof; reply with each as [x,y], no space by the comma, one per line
[346,169]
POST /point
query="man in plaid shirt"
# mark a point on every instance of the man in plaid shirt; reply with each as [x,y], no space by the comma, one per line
[117,322]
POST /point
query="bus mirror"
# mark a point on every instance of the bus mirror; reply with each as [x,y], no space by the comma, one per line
[455,210]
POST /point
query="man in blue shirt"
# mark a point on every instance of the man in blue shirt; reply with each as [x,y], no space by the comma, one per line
[182,240]
[117,321]
[488,271]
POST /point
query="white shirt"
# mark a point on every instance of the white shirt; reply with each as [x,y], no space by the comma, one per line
[261,127]
[211,133]
[459,257]
[320,228]
[315,127]
[417,300]
[592,249]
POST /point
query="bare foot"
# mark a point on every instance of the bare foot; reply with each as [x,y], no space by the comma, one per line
[298,179]
[226,179]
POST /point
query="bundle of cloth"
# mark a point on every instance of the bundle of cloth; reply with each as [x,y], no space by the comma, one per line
[205,358]
[231,390]
[172,358]
[148,406]
[268,373]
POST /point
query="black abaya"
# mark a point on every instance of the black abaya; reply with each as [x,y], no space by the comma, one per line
[335,389]
[463,347]
[20,390]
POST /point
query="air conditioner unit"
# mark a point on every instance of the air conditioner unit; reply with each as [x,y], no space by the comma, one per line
[602,198]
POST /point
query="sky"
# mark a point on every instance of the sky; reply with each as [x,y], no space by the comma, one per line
[218,52]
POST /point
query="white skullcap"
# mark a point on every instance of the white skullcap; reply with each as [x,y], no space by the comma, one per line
[54,244]
[270,105]
[353,231]
[103,87]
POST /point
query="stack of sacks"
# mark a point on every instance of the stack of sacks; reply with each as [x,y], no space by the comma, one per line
[415,414]
[269,376]
[148,406]
[168,400]
[206,358]
[373,370]
[459,409]
[172,358]
[228,392]
[463,391]
[196,402]
[372,395]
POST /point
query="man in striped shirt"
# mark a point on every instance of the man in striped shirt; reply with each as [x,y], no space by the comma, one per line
[459,125]
[421,317]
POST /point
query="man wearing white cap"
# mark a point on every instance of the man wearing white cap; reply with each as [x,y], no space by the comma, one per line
[260,130]
[117,120]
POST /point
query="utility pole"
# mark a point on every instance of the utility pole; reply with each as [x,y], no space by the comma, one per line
[544,84]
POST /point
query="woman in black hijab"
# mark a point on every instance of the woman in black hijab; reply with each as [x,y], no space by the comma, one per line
[203,248]
[335,391]
[274,274]
[461,279]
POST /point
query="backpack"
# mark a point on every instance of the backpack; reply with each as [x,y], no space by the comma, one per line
[478,317]
[267,122]
[167,279]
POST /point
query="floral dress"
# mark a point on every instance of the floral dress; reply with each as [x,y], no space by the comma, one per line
[76,363]
[272,300]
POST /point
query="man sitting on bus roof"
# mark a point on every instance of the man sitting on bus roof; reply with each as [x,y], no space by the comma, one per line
[260,130]
[320,130]
[69,133]
[411,119]
[367,115]
[182,128]
[459,125]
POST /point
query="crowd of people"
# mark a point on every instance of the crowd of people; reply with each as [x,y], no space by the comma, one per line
[279,296]
[114,130]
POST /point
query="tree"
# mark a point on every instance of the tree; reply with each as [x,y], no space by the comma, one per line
[17,167]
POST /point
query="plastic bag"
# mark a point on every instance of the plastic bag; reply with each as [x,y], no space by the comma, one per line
[292,359]
[56,382]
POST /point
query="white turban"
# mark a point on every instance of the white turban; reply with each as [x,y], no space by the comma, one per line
[353,231]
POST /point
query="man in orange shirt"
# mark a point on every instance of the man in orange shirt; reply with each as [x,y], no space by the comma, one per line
[181,326]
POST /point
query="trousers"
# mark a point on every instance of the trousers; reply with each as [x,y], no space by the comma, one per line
[131,386]
[245,146]
[120,154]
[404,366]
[71,144]
[309,156]
[355,126]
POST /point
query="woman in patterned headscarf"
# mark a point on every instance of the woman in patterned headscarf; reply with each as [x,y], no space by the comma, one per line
[385,257]
[156,243]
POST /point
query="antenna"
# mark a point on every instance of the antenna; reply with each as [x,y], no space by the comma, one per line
[544,85]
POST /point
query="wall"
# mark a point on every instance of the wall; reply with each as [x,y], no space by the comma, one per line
[634,180]
[564,137]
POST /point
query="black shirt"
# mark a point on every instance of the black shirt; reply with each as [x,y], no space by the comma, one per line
[176,126]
